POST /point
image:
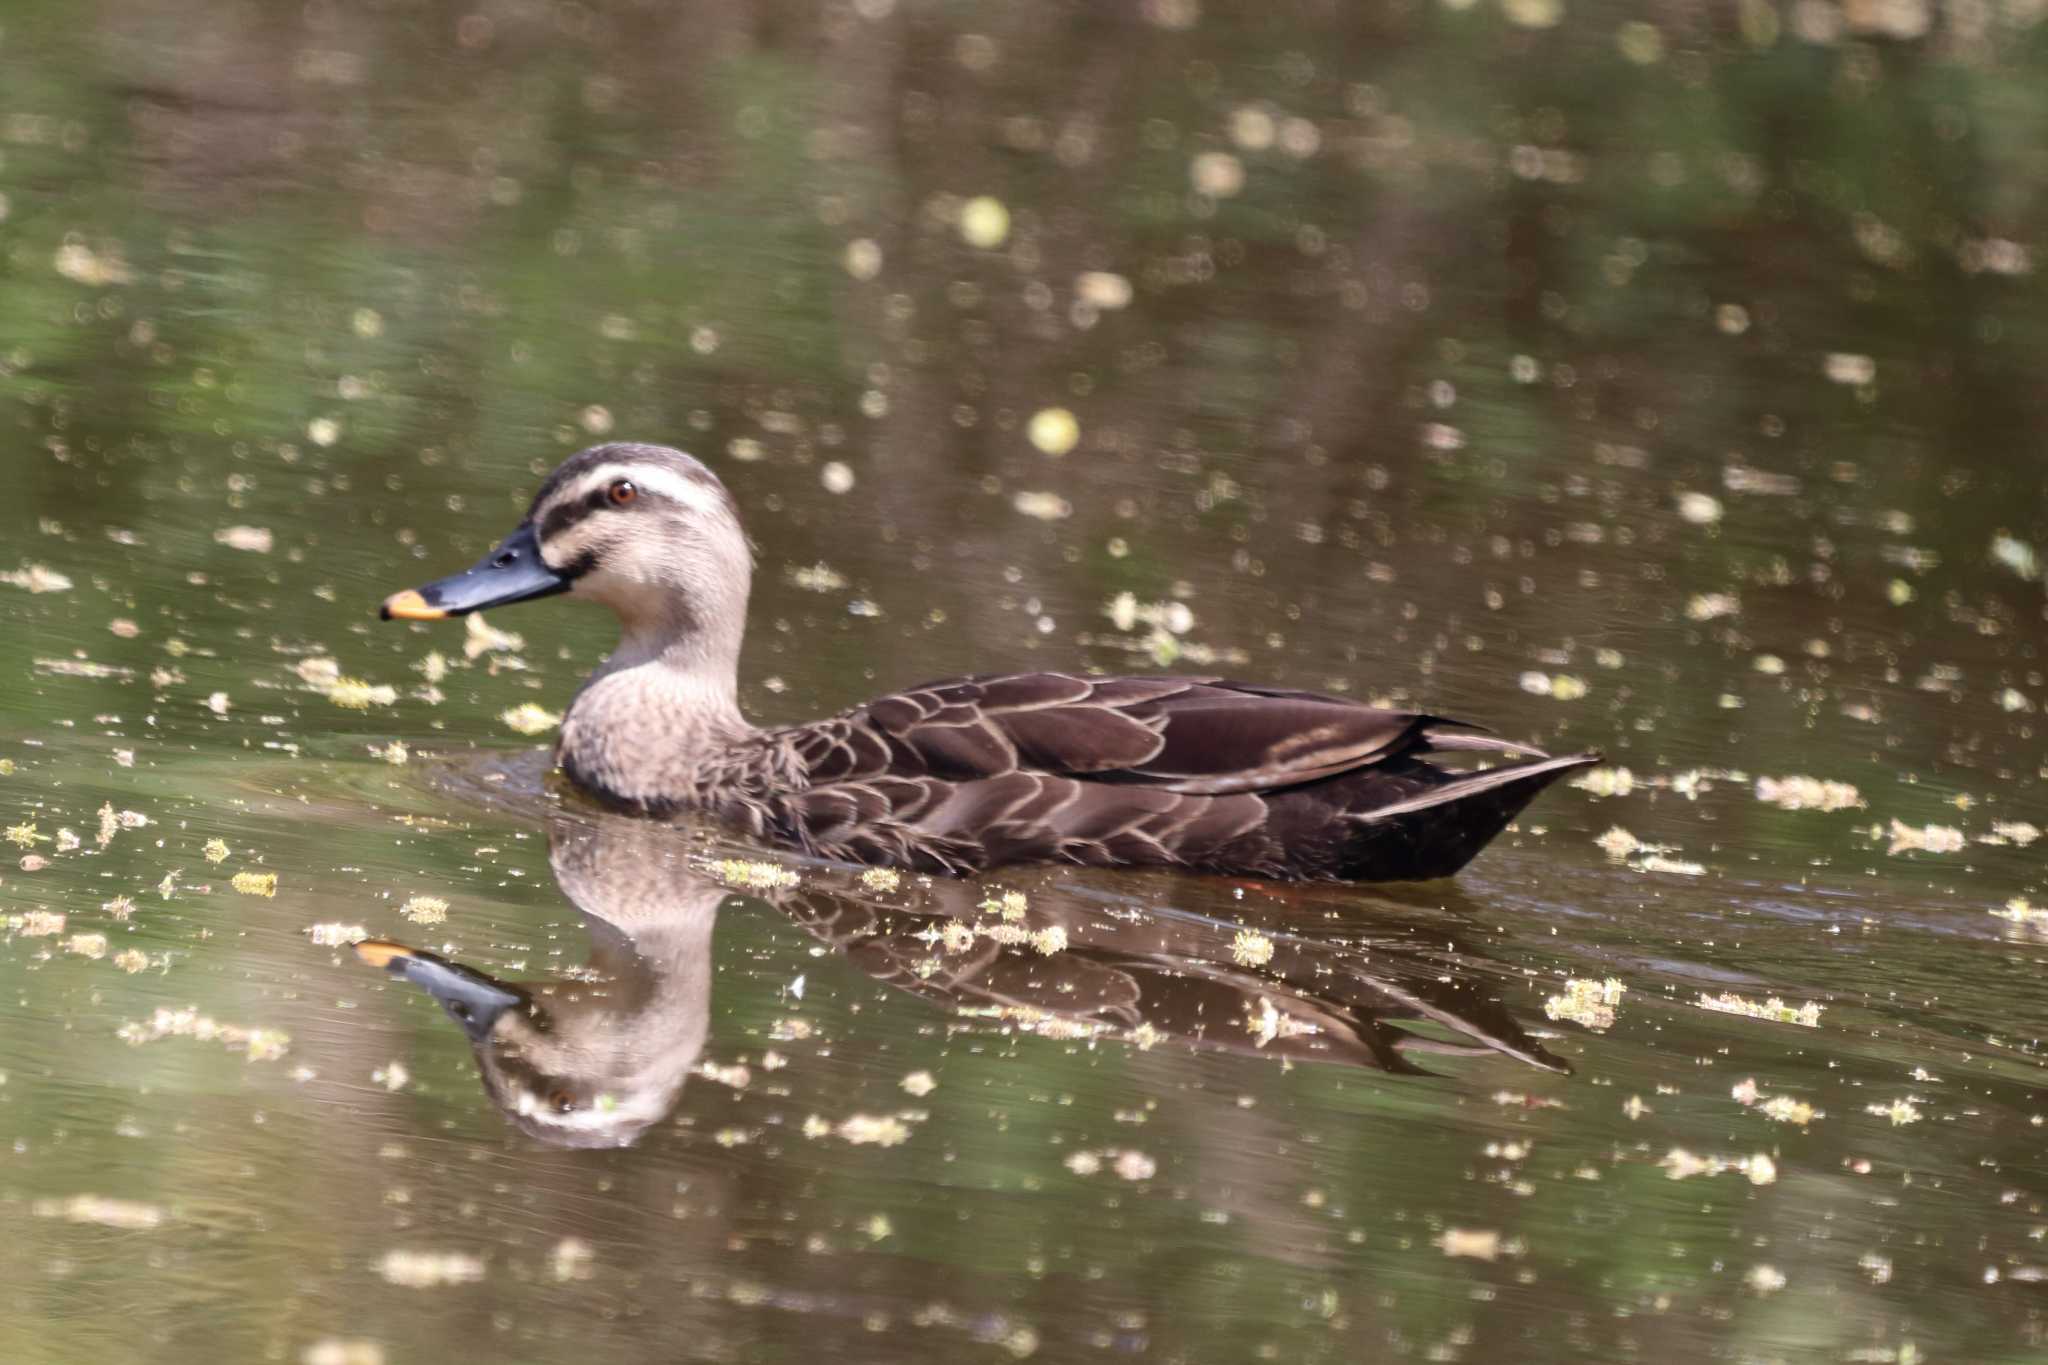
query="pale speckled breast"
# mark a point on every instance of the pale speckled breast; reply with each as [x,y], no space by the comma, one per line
[632,741]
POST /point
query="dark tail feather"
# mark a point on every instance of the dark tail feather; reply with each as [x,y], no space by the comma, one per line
[1437,830]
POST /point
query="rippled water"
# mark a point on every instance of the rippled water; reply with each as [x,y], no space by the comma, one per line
[1663,382]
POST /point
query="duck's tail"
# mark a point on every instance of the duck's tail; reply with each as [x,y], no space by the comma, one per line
[1441,822]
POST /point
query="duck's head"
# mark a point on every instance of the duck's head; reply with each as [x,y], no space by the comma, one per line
[646,530]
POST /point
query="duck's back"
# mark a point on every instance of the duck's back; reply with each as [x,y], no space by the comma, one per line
[1198,773]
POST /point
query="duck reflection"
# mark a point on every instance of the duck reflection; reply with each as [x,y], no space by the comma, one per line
[595,1058]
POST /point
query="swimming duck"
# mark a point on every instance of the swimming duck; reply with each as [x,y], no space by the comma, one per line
[954,776]
[597,1058]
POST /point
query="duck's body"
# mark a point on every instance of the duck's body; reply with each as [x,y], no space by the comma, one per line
[960,775]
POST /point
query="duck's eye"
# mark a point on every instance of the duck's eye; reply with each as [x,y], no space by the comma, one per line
[561,1101]
[621,492]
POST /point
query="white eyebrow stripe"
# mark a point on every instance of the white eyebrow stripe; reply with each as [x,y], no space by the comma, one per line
[677,487]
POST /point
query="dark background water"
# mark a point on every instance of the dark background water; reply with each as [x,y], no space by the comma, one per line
[1659,379]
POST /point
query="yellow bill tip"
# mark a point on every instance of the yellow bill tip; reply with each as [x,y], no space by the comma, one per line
[410,606]
[380,952]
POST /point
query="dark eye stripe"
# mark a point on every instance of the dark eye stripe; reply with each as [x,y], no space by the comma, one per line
[560,519]
[565,515]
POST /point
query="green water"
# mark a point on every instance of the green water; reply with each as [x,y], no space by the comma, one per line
[1658,380]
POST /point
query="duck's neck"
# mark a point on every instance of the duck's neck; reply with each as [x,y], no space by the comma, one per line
[655,718]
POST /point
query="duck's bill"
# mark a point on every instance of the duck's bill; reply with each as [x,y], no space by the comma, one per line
[471,999]
[514,572]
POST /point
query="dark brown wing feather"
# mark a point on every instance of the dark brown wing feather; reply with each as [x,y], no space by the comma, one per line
[1200,735]
[1196,772]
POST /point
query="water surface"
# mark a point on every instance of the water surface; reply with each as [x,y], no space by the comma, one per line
[1664,382]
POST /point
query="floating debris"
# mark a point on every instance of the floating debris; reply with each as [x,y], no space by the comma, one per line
[1134,1165]
[83,668]
[1042,506]
[25,835]
[1478,1244]
[356,695]
[756,875]
[1677,867]
[1774,1009]
[93,946]
[335,934]
[1055,431]
[1777,1108]
[1709,606]
[429,1269]
[1800,792]
[1049,940]
[1011,905]
[1900,1112]
[1606,782]
[880,1130]
[480,637]
[1563,687]
[1846,367]
[255,883]
[984,222]
[318,671]
[258,1045]
[425,909]
[1617,843]
[1764,1279]
[819,577]
[80,264]
[1266,1023]
[1680,1164]
[37,923]
[863,258]
[1218,175]
[736,1076]
[2019,910]
[131,960]
[2011,832]
[1251,948]
[37,578]
[1587,1002]
[1926,839]
[254,539]
[392,1076]
[881,879]
[125,1214]
[1701,509]
[530,718]
[216,850]
[1103,289]
[2009,550]
[919,1083]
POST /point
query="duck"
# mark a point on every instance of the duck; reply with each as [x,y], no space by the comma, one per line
[1196,773]
[599,1056]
